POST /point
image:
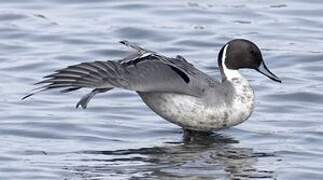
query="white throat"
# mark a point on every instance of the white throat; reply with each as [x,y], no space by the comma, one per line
[229,73]
[243,99]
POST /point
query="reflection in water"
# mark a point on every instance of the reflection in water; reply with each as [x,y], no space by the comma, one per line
[197,157]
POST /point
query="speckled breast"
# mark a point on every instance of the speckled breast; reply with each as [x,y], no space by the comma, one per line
[192,113]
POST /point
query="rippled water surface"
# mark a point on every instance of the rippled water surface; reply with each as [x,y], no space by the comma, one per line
[118,137]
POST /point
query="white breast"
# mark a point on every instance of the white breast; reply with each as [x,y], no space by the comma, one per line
[195,114]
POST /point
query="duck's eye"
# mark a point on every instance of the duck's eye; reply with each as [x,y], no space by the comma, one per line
[253,52]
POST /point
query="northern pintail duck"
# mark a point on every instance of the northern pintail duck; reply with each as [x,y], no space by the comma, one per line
[172,87]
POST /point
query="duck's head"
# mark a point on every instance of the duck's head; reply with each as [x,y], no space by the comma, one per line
[241,53]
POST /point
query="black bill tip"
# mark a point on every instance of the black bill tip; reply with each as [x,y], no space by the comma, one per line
[265,71]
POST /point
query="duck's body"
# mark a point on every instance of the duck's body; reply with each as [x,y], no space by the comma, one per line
[172,87]
[221,106]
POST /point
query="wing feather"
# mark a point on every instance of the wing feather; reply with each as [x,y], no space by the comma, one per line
[146,71]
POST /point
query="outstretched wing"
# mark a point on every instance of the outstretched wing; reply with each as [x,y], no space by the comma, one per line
[144,71]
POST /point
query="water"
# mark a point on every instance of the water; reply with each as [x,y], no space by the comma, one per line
[118,137]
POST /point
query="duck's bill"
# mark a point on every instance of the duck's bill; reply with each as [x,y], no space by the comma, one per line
[265,71]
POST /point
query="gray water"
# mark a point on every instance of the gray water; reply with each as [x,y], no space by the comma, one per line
[118,137]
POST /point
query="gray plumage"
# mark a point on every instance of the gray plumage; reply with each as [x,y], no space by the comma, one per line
[142,71]
[172,87]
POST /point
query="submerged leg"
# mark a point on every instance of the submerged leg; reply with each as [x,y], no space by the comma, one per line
[188,132]
[191,135]
[86,98]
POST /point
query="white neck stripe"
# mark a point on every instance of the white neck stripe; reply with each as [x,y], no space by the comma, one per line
[228,73]
[224,55]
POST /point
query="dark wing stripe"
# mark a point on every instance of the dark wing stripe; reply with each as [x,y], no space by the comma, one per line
[150,56]
[180,73]
[70,89]
[132,73]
